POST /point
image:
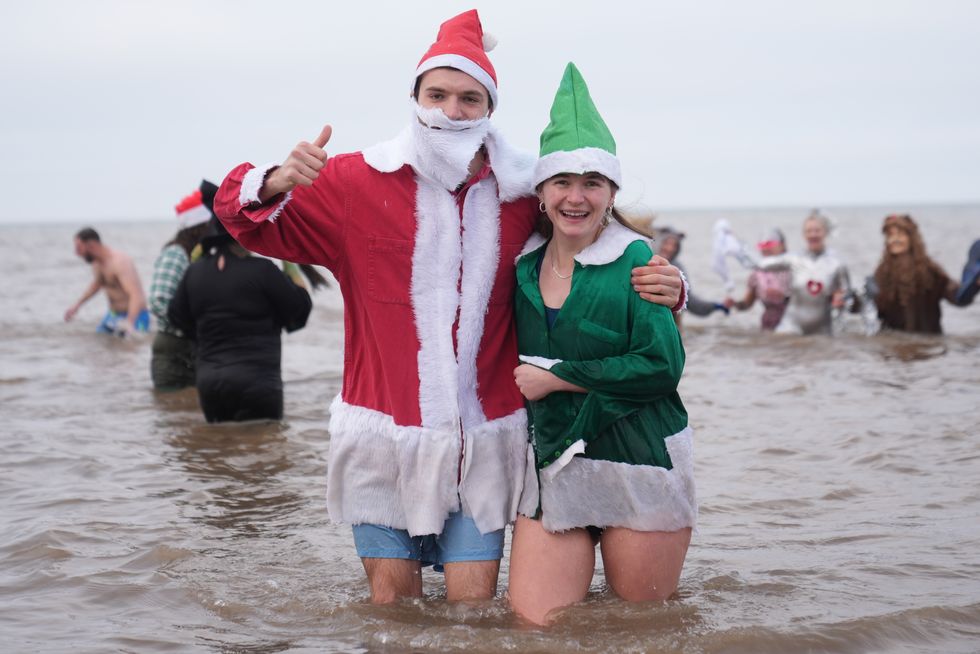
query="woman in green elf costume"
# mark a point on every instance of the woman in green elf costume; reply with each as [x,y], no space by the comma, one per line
[610,438]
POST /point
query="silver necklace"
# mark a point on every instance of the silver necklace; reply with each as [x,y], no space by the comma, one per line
[555,270]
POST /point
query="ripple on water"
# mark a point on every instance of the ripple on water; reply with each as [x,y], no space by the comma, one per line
[837,479]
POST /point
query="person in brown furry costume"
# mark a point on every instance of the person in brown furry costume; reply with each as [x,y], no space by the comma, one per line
[911,285]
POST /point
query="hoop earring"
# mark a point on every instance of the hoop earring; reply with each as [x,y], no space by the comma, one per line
[606,216]
[541,207]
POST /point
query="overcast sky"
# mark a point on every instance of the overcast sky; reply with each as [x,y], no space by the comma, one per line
[114,110]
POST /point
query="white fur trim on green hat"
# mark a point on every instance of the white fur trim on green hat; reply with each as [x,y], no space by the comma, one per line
[580,161]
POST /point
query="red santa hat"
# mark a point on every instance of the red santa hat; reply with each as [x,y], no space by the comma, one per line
[461,44]
[192,211]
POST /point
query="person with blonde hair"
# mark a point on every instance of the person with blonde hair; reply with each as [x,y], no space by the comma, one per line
[819,280]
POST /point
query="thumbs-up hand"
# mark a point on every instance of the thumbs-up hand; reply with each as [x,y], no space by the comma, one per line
[301,167]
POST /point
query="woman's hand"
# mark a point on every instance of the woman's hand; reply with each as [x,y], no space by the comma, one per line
[535,383]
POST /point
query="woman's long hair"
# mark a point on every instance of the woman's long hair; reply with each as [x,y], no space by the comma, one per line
[188,237]
[903,279]
[313,276]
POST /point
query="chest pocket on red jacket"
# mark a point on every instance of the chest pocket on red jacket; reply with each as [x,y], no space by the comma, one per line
[389,270]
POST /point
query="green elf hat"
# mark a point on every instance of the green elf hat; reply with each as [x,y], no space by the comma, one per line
[577,139]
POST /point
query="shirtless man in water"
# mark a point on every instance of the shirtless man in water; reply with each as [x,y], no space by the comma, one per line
[116,273]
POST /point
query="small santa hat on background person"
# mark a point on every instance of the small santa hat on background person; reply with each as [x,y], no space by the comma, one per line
[461,44]
[196,208]
[577,139]
[771,237]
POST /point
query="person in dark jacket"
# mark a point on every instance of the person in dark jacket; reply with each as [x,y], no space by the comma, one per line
[236,306]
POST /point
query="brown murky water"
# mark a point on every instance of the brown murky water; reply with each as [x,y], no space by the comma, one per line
[838,481]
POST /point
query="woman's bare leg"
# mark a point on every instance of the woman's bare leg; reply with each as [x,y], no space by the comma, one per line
[642,566]
[548,571]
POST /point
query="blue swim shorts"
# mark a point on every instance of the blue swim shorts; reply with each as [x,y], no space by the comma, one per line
[459,541]
[113,318]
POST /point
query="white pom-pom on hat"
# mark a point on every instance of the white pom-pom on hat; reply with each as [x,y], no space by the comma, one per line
[489,42]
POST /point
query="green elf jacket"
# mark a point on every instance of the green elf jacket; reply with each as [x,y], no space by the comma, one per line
[620,454]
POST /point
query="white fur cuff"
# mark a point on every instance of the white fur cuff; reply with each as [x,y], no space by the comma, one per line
[540,362]
[687,292]
[252,184]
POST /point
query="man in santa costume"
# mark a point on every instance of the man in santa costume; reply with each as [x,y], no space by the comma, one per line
[428,437]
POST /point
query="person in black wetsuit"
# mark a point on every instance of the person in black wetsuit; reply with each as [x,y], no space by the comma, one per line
[236,306]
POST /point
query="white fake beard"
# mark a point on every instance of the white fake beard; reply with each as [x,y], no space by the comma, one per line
[444,148]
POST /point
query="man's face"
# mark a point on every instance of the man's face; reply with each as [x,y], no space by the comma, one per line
[83,250]
[459,96]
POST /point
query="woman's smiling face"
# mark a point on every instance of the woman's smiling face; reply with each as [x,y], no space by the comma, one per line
[575,203]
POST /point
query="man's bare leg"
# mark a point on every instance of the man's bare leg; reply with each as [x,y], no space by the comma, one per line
[393,579]
[471,580]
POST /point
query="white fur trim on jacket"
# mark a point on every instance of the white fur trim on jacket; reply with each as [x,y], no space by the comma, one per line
[581,161]
[436,262]
[549,471]
[405,477]
[610,246]
[687,292]
[495,471]
[448,378]
[252,184]
[540,362]
[512,168]
[481,258]
[387,474]
[612,242]
[443,285]
[534,241]
[610,494]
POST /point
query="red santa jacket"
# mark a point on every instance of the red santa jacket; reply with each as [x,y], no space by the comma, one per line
[429,419]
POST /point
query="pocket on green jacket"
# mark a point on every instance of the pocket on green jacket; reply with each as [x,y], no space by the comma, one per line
[602,341]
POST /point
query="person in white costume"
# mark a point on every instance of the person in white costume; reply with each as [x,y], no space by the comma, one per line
[820,281]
